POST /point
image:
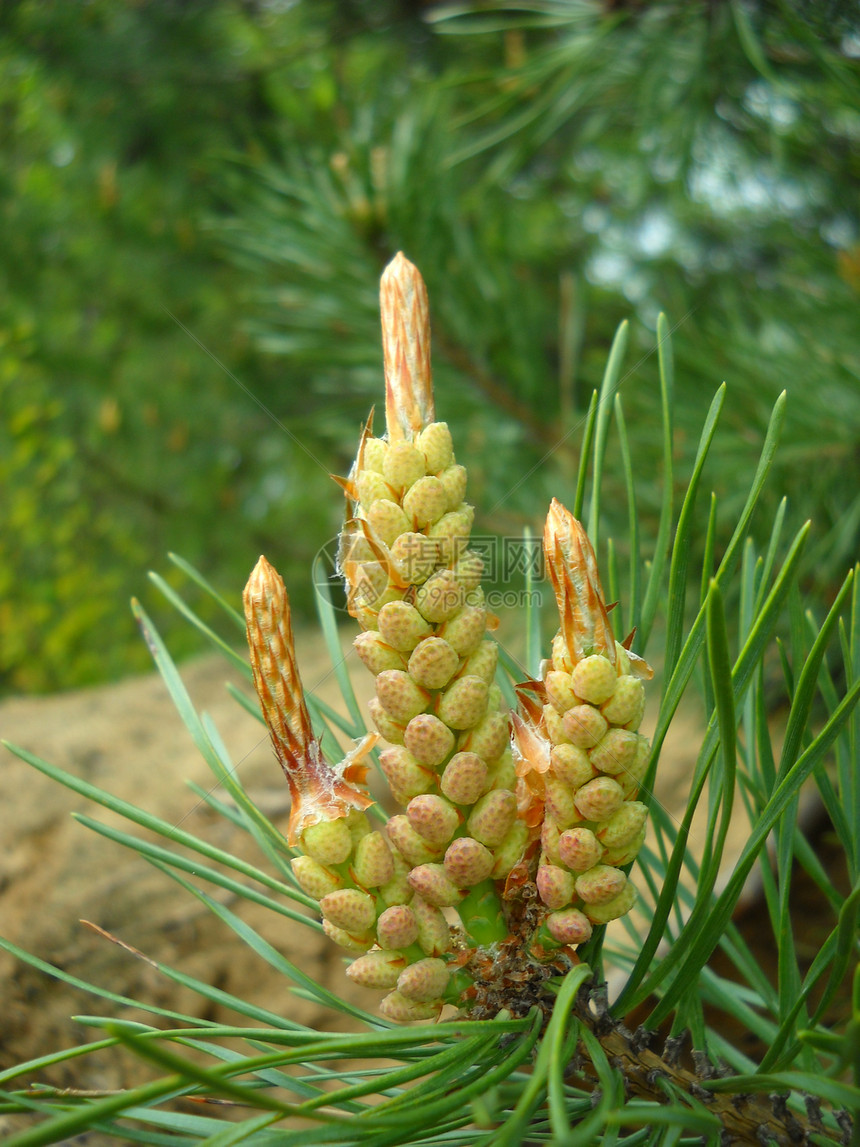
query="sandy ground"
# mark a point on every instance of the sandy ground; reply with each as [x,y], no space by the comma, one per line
[55,872]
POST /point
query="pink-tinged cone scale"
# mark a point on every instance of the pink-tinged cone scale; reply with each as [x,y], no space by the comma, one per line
[318,791]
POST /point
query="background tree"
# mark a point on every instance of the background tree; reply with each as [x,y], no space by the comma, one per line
[552,166]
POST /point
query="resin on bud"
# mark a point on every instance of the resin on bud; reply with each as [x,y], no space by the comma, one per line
[319,792]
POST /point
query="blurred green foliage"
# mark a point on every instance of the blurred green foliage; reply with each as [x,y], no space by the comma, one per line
[246,170]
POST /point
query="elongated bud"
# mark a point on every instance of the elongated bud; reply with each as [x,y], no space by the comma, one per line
[436,445]
[402,626]
[559,690]
[482,663]
[571,765]
[623,826]
[454,482]
[572,568]
[400,697]
[560,802]
[397,890]
[386,520]
[404,464]
[594,678]
[345,939]
[489,738]
[584,726]
[433,663]
[599,884]
[464,778]
[424,503]
[328,842]
[390,729]
[465,632]
[414,557]
[406,350]
[440,598]
[406,776]
[615,752]
[509,853]
[376,654]
[627,703]
[318,792]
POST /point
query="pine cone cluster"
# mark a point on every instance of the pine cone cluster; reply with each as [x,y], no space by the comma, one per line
[484,812]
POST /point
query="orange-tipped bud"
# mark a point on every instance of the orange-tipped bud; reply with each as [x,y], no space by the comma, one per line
[406,350]
[572,567]
[318,791]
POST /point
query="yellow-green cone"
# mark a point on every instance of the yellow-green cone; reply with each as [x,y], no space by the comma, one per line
[579,757]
